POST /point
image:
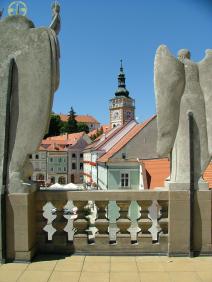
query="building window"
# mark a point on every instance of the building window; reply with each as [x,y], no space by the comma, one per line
[125,179]
[64,169]
[62,180]
[81,156]
[52,180]
[51,160]
[43,156]
[123,156]
[73,155]
[73,165]
[81,166]
[60,160]
[30,156]
[51,169]
[37,156]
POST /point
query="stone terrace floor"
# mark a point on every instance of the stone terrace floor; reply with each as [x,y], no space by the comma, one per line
[109,269]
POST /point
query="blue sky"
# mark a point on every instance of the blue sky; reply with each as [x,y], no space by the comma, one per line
[96,34]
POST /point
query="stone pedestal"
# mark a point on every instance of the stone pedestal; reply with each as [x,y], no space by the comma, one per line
[202,222]
[179,223]
[21,226]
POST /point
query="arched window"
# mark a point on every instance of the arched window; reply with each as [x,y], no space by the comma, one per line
[62,180]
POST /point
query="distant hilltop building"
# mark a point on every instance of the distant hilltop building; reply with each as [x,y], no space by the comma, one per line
[90,121]
[122,106]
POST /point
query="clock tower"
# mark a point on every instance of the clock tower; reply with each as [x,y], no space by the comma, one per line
[122,106]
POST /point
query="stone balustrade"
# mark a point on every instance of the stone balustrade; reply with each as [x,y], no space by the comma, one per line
[99,222]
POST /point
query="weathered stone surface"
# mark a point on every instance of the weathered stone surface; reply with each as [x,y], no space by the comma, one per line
[29,72]
[182,86]
[29,76]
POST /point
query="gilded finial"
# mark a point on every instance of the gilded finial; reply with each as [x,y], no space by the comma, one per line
[17,8]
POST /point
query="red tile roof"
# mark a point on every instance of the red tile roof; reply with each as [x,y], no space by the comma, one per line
[123,141]
[207,176]
[53,147]
[68,139]
[157,170]
[60,142]
[80,118]
[105,128]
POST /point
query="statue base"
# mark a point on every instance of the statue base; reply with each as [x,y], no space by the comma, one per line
[177,186]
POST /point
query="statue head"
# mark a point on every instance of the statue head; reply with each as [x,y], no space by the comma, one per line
[184,54]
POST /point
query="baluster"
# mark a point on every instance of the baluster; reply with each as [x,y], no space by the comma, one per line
[49,212]
[134,213]
[112,213]
[70,213]
[91,217]
[154,214]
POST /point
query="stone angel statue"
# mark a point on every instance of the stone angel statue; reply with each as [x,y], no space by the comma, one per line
[29,77]
[183,86]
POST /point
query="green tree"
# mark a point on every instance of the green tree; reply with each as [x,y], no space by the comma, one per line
[82,127]
[71,126]
[54,126]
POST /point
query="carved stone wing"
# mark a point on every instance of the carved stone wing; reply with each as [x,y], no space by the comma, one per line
[169,81]
[205,77]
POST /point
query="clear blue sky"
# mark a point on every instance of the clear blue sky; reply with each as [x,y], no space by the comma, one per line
[96,34]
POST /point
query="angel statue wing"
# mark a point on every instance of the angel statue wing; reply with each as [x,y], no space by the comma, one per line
[205,77]
[169,82]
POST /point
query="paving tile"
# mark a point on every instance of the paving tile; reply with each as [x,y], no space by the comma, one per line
[150,266]
[14,266]
[65,265]
[10,275]
[74,258]
[122,259]
[97,259]
[124,277]
[205,276]
[98,277]
[35,276]
[171,259]
[203,266]
[184,277]
[123,266]
[147,258]
[59,276]
[155,276]
[42,265]
[96,267]
[181,266]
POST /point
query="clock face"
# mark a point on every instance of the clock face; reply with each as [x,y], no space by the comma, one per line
[116,115]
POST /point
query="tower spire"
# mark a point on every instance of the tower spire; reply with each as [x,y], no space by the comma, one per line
[121,91]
